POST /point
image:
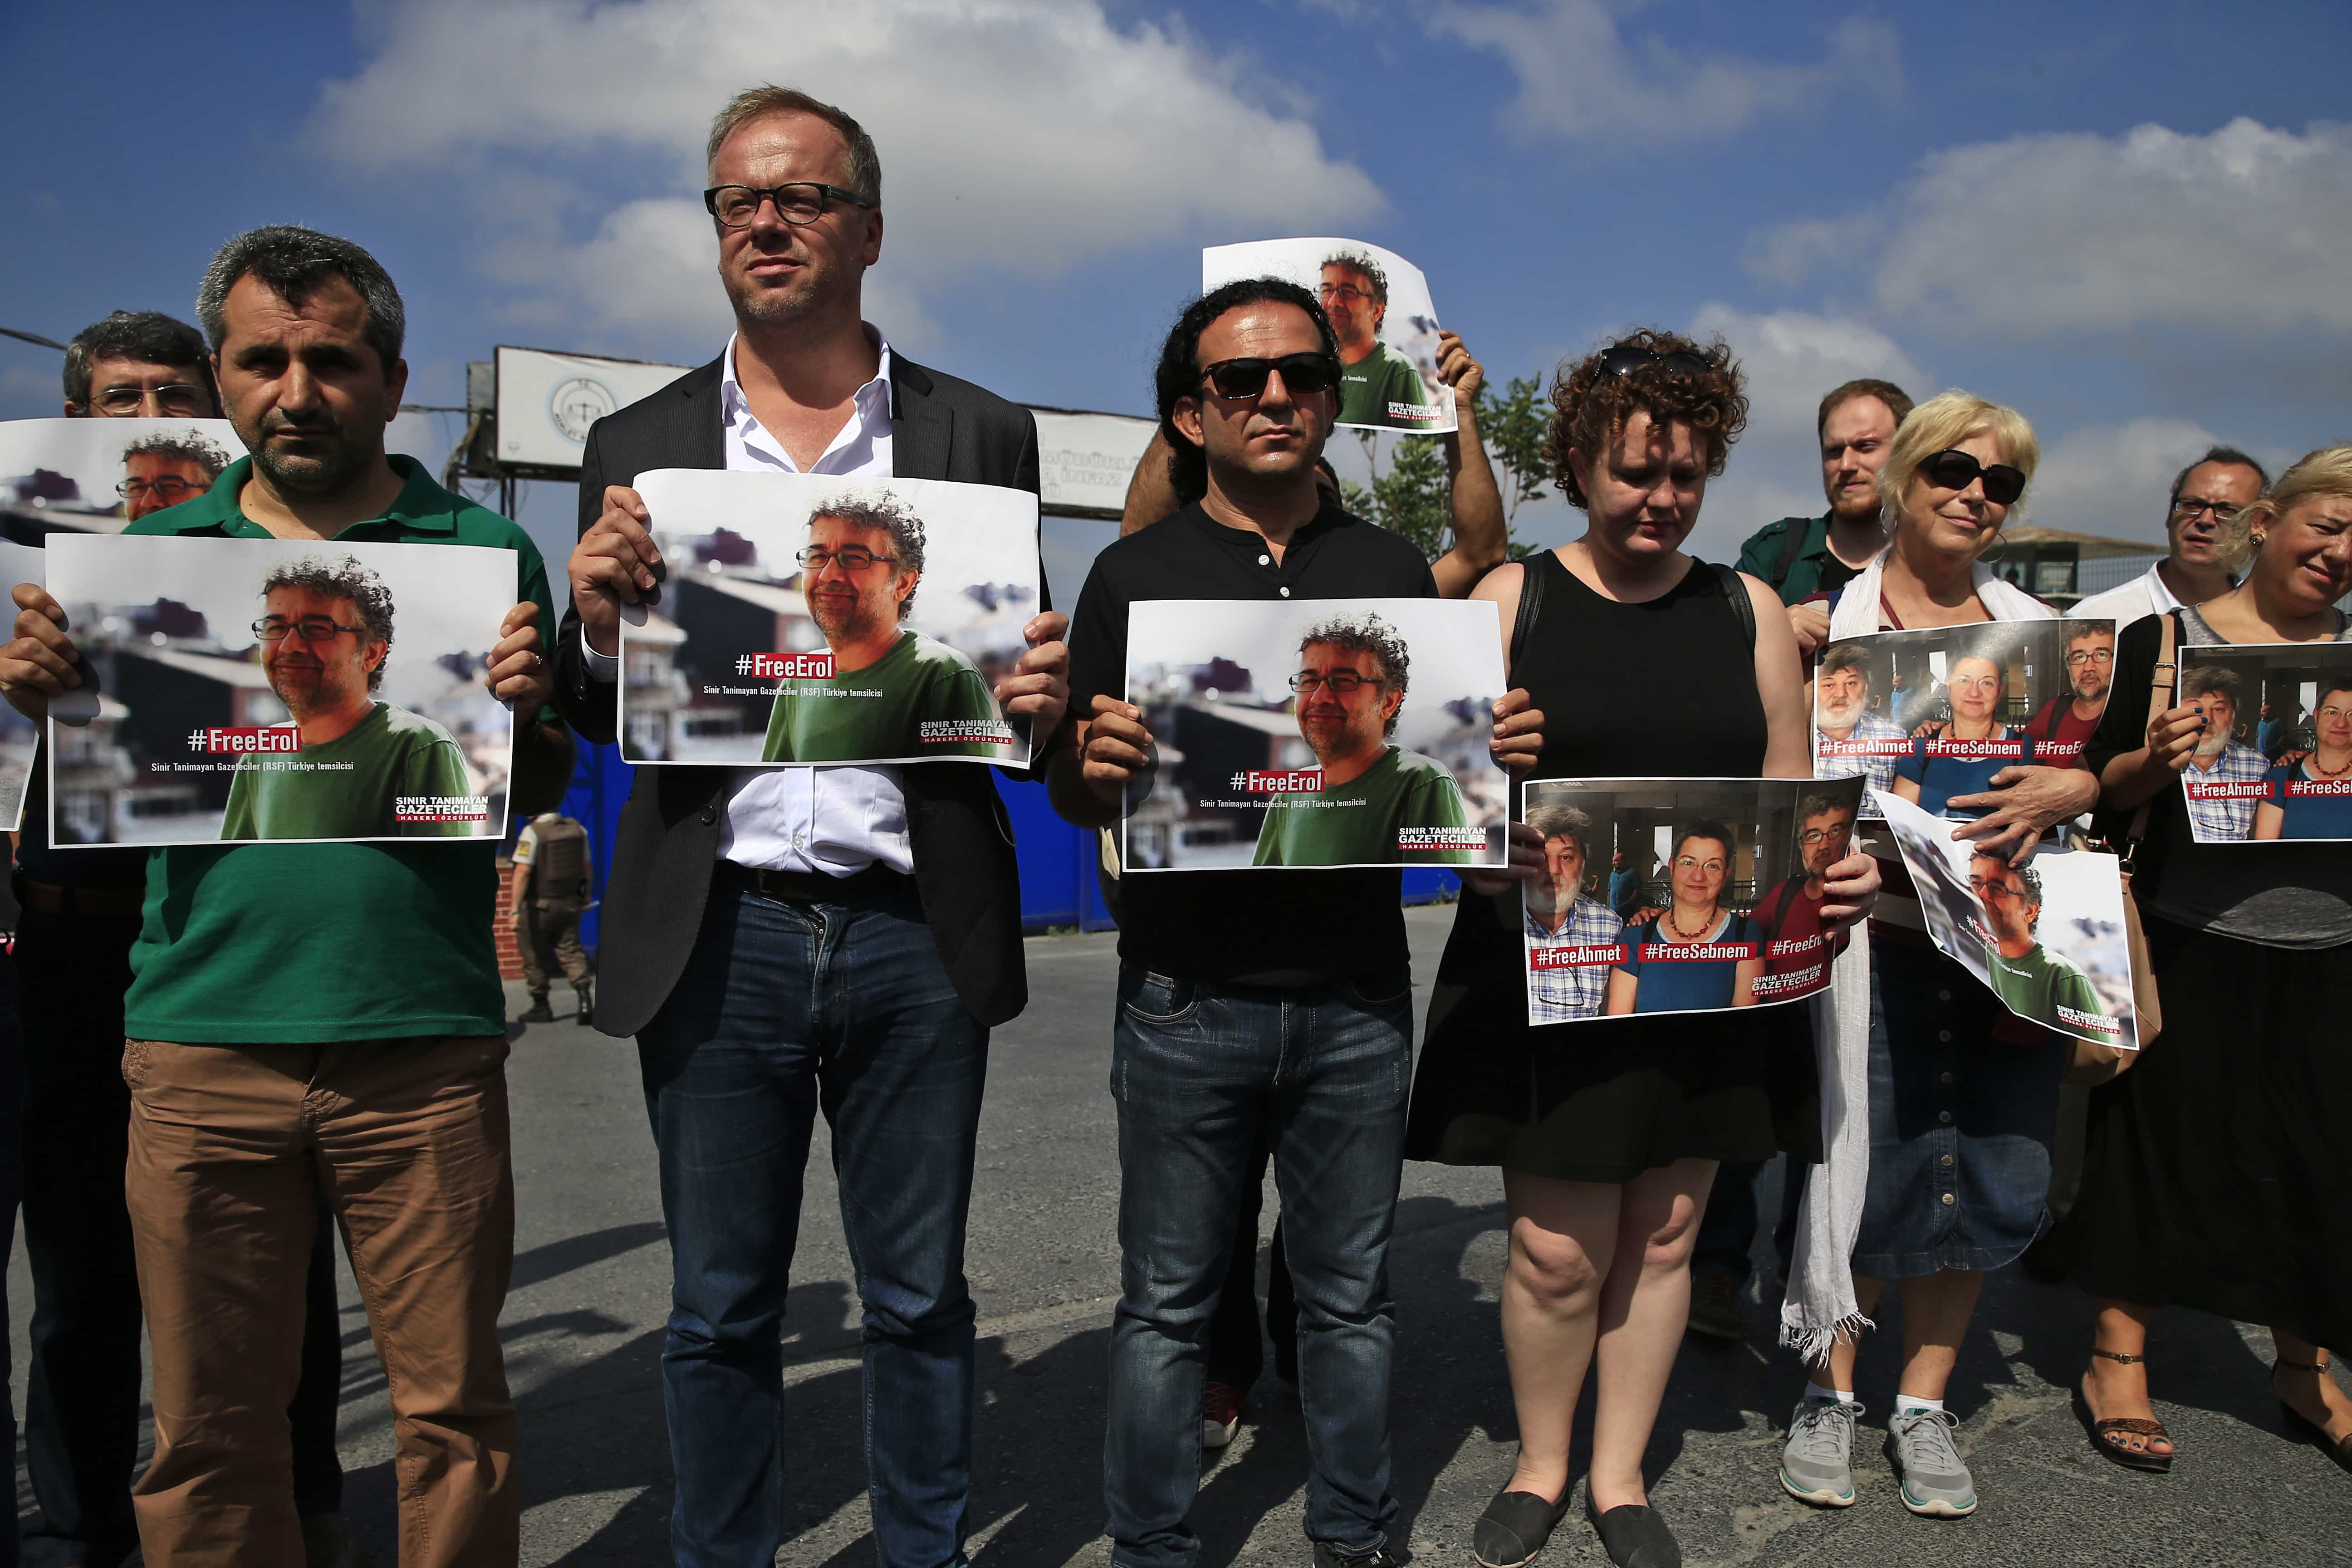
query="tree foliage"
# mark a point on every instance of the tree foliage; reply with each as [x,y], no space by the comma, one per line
[1411,494]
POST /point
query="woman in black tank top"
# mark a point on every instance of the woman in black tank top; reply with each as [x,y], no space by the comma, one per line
[1645,664]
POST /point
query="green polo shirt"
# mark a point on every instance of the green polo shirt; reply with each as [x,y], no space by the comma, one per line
[2036,985]
[351,786]
[1382,377]
[1357,824]
[879,712]
[1816,568]
[293,944]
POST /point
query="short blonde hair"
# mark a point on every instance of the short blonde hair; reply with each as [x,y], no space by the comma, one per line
[1946,420]
[2325,472]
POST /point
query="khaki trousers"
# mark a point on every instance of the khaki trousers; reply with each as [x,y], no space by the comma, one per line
[556,925]
[230,1148]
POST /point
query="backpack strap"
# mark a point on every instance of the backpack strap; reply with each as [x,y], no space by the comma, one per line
[1531,581]
[1736,592]
[1793,532]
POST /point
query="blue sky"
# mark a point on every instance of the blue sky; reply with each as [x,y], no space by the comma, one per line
[2130,221]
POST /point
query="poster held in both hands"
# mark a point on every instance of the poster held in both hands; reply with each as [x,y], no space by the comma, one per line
[2047,938]
[261,690]
[2274,761]
[1380,309]
[813,619]
[1316,734]
[1930,714]
[1681,895]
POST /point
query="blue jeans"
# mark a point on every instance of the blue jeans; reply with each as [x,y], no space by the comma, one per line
[784,1009]
[1202,1074]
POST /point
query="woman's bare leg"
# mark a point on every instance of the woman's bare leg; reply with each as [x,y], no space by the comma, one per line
[1562,1236]
[1645,1304]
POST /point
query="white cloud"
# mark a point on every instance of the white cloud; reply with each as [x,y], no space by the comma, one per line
[1582,78]
[2243,229]
[2112,479]
[1790,358]
[1017,136]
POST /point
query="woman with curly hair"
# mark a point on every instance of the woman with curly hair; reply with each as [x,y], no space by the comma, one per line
[1608,1132]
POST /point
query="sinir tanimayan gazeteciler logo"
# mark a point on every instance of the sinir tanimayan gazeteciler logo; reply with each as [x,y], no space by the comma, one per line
[577,403]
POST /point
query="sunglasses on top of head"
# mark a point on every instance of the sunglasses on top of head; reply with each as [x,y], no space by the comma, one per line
[1953,470]
[1301,372]
[1627,358]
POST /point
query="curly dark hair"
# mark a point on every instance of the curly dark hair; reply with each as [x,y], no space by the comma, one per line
[1368,634]
[1590,405]
[885,514]
[344,579]
[1178,374]
[180,446]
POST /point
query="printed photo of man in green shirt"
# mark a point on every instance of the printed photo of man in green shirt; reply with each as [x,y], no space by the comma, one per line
[1376,380]
[1376,796]
[894,694]
[366,769]
[2035,983]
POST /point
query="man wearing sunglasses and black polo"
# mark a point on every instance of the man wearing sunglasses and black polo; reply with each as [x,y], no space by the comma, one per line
[1255,1006]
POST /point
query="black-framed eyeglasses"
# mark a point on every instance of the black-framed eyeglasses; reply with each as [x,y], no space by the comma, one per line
[1989,890]
[850,558]
[1341,682]
[310,629]
[1627,358]
[1813,838]
[169,491]
[1242,378]
[2083,655]
[1953,470]
[179,398]
[1346,294]
[2188,507]
[799,202]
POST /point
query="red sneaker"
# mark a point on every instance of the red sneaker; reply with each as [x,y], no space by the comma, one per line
[1221,1414]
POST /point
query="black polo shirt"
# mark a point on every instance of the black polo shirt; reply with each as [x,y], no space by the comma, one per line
[1232,925]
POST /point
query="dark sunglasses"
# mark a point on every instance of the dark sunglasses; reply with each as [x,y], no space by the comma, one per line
[1953,470]
[1239,378]
[1627,358]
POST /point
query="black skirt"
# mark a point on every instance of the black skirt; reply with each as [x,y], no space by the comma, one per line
[2216,1172]
[1604,1099]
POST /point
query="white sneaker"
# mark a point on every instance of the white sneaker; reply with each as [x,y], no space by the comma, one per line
[1817,1464]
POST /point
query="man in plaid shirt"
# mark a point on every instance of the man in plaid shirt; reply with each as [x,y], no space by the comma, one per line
[2220,758]
[1842,714]
[1560,915]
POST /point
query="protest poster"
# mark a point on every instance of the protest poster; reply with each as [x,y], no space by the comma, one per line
[1927,715]
[1681,895]
[2047,937]
[19,737]
[811,618]
[1380,313]
[2274,761]
[256,690]
[93,476]
[1316,734]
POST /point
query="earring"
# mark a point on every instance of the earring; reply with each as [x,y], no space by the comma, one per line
[2257,540]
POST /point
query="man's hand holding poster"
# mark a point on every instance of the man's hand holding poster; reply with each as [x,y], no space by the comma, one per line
[810,618]
[2047,937]
[1380,309]
[256,690]
[2273,760]
[1316,734]
[1934,714]
[1681,895]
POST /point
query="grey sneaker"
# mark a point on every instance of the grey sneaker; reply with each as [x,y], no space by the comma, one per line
[1935,1481]
[1817,1464]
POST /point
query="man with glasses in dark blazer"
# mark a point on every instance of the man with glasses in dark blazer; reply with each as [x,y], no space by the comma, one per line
[788,938]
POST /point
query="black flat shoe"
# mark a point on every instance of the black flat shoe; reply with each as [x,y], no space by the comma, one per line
[1515,1527]
[1636,1537]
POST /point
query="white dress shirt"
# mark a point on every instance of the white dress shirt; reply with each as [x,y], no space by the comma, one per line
[836,820]
[2144,596]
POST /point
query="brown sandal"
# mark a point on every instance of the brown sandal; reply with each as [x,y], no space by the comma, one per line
[2101,1431]
[2298,1425]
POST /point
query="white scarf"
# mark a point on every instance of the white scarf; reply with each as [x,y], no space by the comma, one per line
[1820,1308]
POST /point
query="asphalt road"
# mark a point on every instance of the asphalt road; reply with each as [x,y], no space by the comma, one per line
[582,1330]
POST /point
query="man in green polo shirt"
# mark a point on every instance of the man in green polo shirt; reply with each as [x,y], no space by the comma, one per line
[1376,799]
[302,1011]
[894,694]
[1377,384]
[2035,983]
[1803,556]
[325,631]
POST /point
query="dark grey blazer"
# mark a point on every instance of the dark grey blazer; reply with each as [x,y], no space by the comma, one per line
[941,428]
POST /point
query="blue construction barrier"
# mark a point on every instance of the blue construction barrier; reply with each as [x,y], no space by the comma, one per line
[1058,886]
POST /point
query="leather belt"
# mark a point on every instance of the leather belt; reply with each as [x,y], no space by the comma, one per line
[877,881]
[101,902]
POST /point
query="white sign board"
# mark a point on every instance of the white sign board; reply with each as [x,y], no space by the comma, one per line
[1085,460]
[547,401]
